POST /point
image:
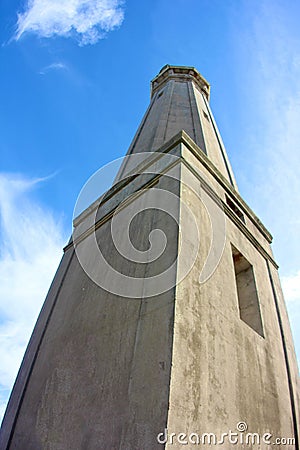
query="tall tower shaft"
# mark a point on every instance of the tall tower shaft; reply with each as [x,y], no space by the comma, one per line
[177,320]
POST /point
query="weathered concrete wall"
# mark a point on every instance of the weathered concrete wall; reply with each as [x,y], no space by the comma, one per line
[213,141]
[172,109]
[100,378]
[224,372]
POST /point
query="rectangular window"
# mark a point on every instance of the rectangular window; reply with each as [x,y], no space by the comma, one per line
[246,292]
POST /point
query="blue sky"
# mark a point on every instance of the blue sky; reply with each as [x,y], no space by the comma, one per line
[74,84]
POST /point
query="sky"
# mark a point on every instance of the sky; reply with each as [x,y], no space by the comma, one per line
[74,85]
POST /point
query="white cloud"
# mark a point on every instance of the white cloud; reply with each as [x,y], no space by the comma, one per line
[31,247]
[291,288]
[87,20]
[53,66]
[270,70]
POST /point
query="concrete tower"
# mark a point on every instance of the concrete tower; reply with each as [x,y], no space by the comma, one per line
[166,311]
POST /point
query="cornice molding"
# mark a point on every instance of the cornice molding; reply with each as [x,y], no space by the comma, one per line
[180,73]
[174,146]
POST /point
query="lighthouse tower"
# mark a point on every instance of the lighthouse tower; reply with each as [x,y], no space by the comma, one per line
[165,324]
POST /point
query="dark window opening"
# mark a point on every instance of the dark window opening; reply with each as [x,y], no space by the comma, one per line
[235,209]
[247,292]
[205,115]
[160,94]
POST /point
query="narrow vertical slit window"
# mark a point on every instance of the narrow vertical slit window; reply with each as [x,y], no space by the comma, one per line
[206,115]
[247,292]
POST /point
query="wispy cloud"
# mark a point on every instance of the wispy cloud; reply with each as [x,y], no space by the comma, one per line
[291,288]
[271,68]
[86,20]
[53,66]
[269,64]
[31,245]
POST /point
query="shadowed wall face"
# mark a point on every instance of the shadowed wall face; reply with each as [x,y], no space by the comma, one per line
[101,375]
[247,292]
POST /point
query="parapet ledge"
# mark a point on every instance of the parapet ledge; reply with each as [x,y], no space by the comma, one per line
[180,73]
